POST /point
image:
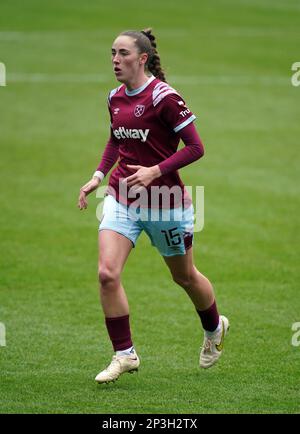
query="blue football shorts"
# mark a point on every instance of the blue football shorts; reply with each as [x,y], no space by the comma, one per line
[170,230]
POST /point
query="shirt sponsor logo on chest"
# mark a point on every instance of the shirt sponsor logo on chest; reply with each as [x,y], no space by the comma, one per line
[129,133]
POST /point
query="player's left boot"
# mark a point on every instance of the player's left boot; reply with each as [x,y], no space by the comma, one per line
[213,345]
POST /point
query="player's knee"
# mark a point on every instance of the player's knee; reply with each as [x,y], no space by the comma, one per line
[182,279]
[108,277]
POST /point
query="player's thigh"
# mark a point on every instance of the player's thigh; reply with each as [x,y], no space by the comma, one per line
[181,266]
[114,250]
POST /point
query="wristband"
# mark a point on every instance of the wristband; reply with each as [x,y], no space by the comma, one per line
[99,174]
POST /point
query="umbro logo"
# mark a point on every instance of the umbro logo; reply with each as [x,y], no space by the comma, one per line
[116,111]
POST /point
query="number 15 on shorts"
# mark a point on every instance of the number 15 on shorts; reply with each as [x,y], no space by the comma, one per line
[172,237]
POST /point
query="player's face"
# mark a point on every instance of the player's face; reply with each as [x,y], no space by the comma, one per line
[126,59]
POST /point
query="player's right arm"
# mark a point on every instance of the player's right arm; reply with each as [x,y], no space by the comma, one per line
[109,158]
[87,189]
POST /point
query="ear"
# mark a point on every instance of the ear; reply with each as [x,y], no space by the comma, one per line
[143,58]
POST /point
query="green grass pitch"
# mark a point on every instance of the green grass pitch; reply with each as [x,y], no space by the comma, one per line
[231,61]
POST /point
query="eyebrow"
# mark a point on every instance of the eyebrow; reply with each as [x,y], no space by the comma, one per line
[121,49]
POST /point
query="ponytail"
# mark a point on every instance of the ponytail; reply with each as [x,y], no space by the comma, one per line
[153,63]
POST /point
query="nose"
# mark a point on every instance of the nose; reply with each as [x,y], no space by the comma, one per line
[115,59]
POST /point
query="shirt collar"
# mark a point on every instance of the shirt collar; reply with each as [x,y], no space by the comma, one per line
[139,89]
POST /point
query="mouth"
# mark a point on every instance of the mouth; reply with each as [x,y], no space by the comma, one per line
[117,70]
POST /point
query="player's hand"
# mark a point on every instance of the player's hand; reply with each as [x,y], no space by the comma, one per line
[86,190]
[143,175]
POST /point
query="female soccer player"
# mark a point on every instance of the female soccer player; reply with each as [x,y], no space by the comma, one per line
[148,119]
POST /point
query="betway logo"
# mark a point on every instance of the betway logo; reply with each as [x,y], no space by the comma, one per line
[123,133]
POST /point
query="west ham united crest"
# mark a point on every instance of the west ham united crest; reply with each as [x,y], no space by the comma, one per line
[139,110]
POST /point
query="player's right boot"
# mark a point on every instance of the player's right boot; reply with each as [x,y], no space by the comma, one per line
[118,366]
[213,346]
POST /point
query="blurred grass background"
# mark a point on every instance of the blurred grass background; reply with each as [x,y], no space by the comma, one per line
[231,61]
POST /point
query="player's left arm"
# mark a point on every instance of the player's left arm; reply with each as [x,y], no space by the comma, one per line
[192,151]
[173,112]
[143,176]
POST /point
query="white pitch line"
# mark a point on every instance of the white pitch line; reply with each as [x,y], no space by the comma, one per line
[7,35]
[245,31]
[39,77]
[268,5]
[231,80]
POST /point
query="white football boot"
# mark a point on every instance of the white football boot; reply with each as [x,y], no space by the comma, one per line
[213,345]
[119,365]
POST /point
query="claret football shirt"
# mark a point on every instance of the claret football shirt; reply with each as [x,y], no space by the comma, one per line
[144,131]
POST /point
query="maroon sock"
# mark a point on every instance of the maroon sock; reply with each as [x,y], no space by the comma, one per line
[209,317]
[119,332]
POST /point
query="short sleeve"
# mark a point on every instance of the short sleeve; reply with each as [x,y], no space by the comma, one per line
[173,112]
